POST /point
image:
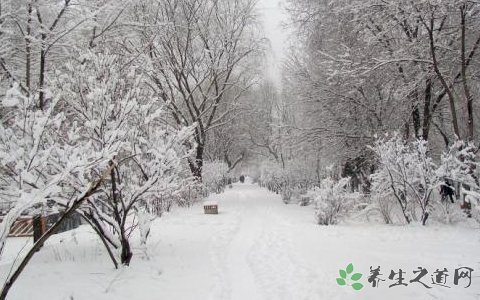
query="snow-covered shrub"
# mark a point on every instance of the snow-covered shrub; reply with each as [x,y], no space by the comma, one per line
[183,192]
[287,194]
[43,158]
[107,97]
[460,164]
[398,174]
[382,206]
[189,193]
[291,180]
[273,178]
[215,176]
[309,197]
[407,173]
[295,195]
[306,198]
[333,200]
[447,213]
[472,203]
[300,175]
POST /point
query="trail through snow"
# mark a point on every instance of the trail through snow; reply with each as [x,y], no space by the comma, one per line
[255,248]
[254,255]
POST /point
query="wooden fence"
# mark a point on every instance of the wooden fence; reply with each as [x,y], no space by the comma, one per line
[27,226]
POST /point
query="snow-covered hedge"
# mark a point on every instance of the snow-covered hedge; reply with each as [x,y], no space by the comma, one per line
[407,173]
[273,177]
[333,200]
[291,181]
[215,176]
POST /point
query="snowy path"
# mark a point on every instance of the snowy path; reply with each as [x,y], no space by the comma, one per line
[255,257]
[255,248]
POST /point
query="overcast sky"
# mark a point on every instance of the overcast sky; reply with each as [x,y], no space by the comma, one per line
[273,15]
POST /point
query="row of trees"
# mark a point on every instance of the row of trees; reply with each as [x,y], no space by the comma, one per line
[408,185]
[107,107]
[371,56]
[362,69]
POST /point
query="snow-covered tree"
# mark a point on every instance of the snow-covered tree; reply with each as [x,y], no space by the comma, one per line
[407,172]
[107,94]
[44,160]
[197,64]
[360,68]
[37,35]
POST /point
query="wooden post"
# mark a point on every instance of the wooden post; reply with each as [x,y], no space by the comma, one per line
[39,227]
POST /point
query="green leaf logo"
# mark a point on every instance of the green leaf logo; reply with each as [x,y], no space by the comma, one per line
[343,280]
[349,268]
[356,277]
[357,286]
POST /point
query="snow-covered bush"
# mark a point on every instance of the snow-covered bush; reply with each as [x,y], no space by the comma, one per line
[190,193]
[382,206]
[42,158]
[333,200]
[181,192]
[215,176]
[273,178]
[404,172]
[107,95]
[308,197]
[300,175]
[287,194]
[291,180]
[447,213]
[407,173]
[459,163]
[278,180]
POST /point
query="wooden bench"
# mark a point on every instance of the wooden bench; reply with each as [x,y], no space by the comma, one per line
[210,208]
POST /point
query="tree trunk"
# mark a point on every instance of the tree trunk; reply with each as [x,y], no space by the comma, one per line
[41,98]
[451,98]
[466,89]
[415,114]
[127,254]
[196,167]
[427,116]
[28,47]
[406,131]
[425,217]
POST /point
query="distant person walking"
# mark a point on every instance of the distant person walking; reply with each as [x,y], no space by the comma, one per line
[447,192]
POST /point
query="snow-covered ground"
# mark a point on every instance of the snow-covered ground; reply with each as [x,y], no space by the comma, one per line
[255,248]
